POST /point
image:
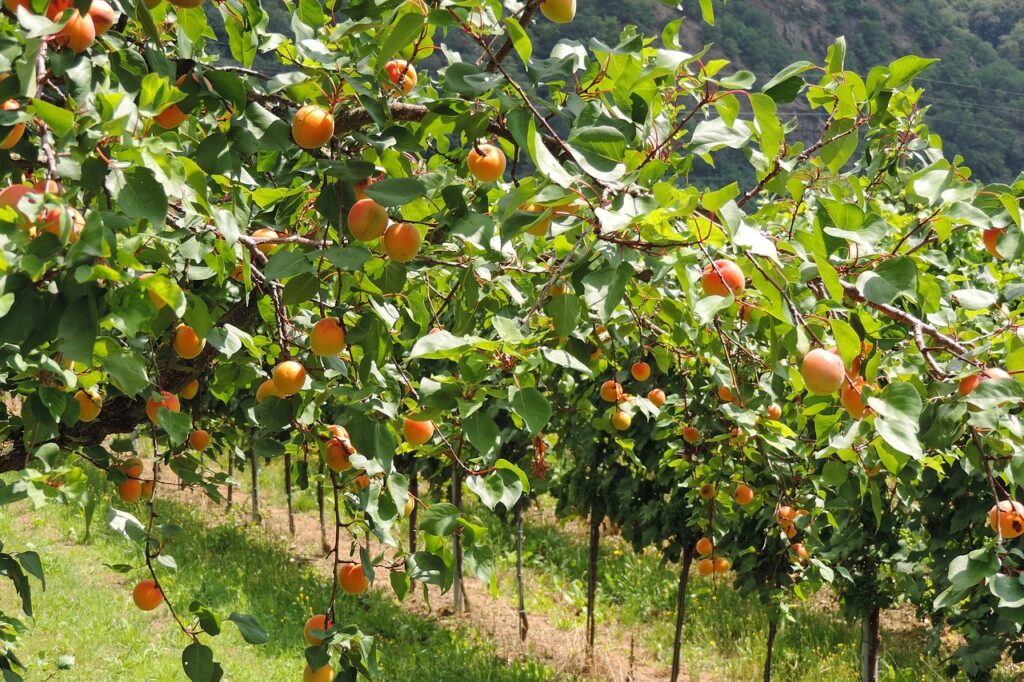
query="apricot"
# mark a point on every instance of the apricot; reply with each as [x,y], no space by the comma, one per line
[362,481]
[312,127]
[851,398]
[266,233]
[11,196]
[352,579]
[339,449]
[88,405]
[337,431]
[130,490]
[78,34]
[790,531]
[289,376]
[721,278]
[51,221]
[773,412]
[823,371]
[267,389]
[170,118]
[147,595]
[744,494]
[785,515]
[102,15]
[13,5]
[621,421]
[360,188]
[968,384]
[170,402]
[725,393]
[17,130]
[190,390]
[611,391]
[558,11]
[1009,514]
[401,74]
[47,186]
[991,238]
[417,432]
[199,439]
[410,504]
[153,296]
[322,674]
[486,162]
[132,467]
[541,227]
[641,371]
[705,567]
[317,622]
[187,343]
[367,220]
[705,546]
[327,337]
[147,490]
[656,396]
[402,242]
[707,491]
[722,565]
[798,551]
[691,434]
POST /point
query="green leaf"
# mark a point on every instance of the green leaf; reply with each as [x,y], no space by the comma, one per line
[77,330]
[396,191]
[898,409]
[60,120]
[168,291]
[974,299]
[532,406]
[400,583]
[520,40]
[127,370]
[440,519]
[1008,589]
[564,311]
[284,264]
[890,279]
[250,628]
[399,35]
[482,433]
[967,570]
[427,568]
[177,424]
[603,290]
[847,339]
[197,661]
[138,194]
[904,69]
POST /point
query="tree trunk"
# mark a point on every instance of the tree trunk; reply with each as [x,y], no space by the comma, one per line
[288,492]
[684,579]
[457,593]
[320,508]
[869,644]
[773,629]
[414,490]
[524,625]
[231,475]
[254,471]
[595,538]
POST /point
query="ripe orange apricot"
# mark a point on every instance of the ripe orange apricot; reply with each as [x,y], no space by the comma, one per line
[327,337]
[17,130]
[541,227]
[147,595]
[707,491]
[486,162]
[339,449]
[1009,514]
[170,401]
[774,412]
[968,384]
[47,186]
[558,11]
[266,233]
[317,622]
[147,490]
[725,393]
[102,15]
[51,221]
[417,432]
[352,579]
[691,434]
[823,371]
[785,515]
[611,391]
[402,242]
[153,296]
[362,481]
[289,376]
[190,390]
[656,396]
[621,421]
[170,118]
[705,546]
[187,343]
[132,467]
[337,431]
[267,389]
[130,490]
[851,398]
[722,565]
[744,494]
[323,674]
[88,405]
[641,371]
[991,238]
[798,551]
[401,75]
[721,278]
[312,127]
[78,34]
[705,567]
[367,220]
[199,439]
[410,504]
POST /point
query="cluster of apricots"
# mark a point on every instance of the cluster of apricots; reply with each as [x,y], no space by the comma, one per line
[41,200]
[710,564]
[81,30]
[133,488]
[612,391]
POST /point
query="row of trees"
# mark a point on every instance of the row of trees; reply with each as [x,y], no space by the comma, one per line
[378,272]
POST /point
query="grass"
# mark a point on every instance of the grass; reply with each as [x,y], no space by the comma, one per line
[86,610]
